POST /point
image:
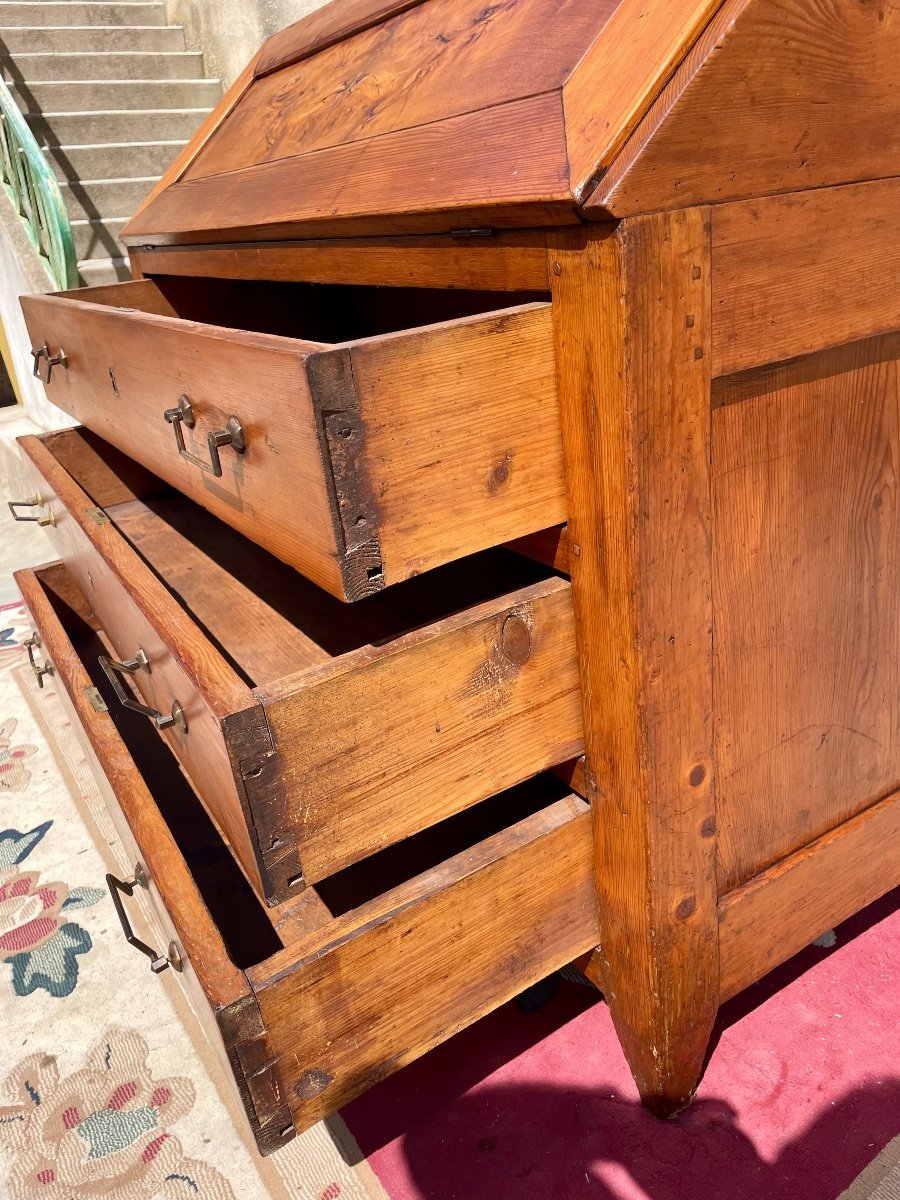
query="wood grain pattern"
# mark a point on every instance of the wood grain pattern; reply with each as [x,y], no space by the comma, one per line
[511,262]
[500,167]
[550,546]
[619,77]
[323,27]
[433,62]
[791,94]
[387,741]
[806,460]
[632,310]
[384,452]
[784,909]
[804,272]
[136,610]
[427,959]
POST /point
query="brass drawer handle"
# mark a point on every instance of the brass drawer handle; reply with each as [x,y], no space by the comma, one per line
[140,662]
[125,887]
[34,502]
[31,644]
[52,360]
[232,435]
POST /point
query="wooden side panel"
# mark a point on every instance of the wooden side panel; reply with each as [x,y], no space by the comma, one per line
[806,460]
[505,262]
[436,61]
[619,77]
[805,272]
[392,739]
[136,610]
[499,167]
[126,368]
[787,907]
[453,945]
[632,308]
[462,436]
[792,94]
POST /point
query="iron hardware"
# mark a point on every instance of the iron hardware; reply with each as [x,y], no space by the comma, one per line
[31,644]
[34,502]
[140,662]
[120,887]
[232,435]
[53,360]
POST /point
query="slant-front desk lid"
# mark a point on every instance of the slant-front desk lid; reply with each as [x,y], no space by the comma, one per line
[373,116]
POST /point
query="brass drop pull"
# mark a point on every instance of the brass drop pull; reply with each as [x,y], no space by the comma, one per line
[31,644]
[125,887]
[42,354]
[232,435]
[34,502]
[140,662]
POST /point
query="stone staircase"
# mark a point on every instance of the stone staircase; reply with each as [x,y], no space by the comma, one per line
[112,95]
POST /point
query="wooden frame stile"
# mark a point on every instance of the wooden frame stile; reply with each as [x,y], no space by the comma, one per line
[632,313]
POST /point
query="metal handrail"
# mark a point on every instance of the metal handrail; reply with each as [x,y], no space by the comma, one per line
[31,186]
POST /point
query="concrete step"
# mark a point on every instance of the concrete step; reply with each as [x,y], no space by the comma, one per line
[90,128]
[68,13]
[89,199]
[91,67]
[97,271]
[99,239]
[71,39]
[129,160]
[81,96]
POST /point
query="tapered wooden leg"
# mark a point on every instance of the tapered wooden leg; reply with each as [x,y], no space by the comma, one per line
[635,392]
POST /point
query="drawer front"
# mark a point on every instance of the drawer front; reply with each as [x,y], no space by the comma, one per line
[80,534]
[362,464]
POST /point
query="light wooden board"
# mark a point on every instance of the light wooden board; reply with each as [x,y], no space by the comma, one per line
[779,912]
[804,272]
[387,741]
[415,966]
[777,96]
[807,622]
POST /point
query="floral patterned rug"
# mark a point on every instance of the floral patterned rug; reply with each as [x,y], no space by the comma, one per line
[107,1087]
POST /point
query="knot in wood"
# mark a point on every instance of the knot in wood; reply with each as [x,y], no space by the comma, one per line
[515,639]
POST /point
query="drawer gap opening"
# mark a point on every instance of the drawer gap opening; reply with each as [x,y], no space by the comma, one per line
[250,931]
[266,619]
[321,312]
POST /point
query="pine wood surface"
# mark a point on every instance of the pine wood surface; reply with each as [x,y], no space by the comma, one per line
[807,626]
[777,96]
[397,460]
[804,272]
[632,313]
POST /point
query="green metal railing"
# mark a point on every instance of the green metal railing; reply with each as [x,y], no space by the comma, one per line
[29,182]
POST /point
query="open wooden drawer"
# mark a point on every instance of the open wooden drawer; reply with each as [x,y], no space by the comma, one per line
[315,733]
[356,441]
[318,999]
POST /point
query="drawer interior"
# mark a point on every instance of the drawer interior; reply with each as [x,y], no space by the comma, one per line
[250,931]
[266,619]
[316,312]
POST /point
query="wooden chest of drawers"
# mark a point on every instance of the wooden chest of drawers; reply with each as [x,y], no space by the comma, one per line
[613,287]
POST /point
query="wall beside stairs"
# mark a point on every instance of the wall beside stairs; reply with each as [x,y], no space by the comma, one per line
[229,32]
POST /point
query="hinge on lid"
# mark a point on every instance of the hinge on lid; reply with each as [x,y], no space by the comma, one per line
[484,232]
[98,516]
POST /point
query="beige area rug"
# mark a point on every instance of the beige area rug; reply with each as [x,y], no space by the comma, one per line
[107,1087]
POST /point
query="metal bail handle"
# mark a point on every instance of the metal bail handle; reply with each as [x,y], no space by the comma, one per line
[125,887]
[31,644]
[34,502]
[232,435]
[140,662]
[52,360]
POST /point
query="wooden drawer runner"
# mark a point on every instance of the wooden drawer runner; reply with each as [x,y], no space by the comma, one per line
[316,734]
[319,998]
[366,461]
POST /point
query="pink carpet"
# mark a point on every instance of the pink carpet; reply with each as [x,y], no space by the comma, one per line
[801,1093]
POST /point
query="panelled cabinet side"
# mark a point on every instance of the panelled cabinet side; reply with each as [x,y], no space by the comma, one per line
[632,322]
